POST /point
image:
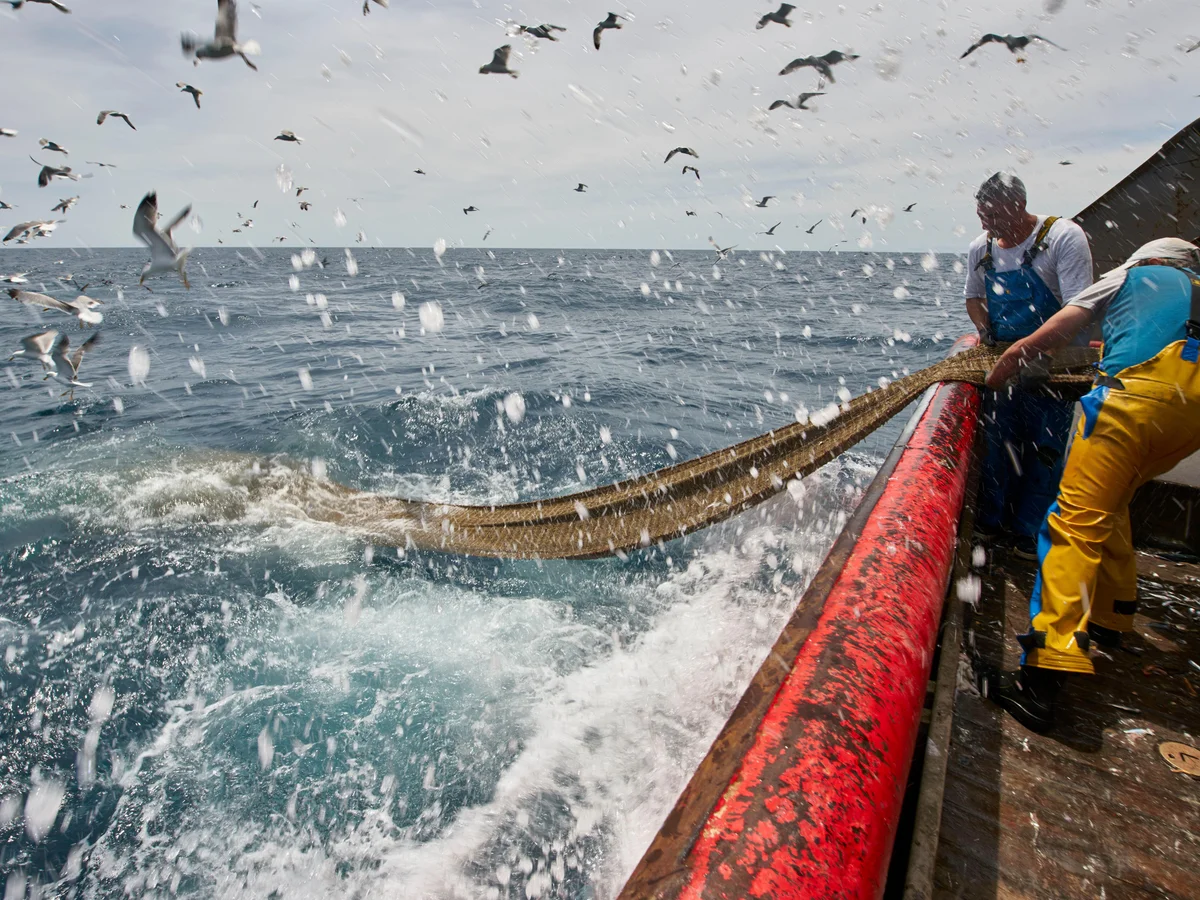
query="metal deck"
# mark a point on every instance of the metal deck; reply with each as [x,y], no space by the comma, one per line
[1091,810]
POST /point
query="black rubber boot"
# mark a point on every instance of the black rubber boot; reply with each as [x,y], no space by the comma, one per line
[1027,695]
[1105,637]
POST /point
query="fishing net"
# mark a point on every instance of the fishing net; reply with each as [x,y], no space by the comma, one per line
[661,505]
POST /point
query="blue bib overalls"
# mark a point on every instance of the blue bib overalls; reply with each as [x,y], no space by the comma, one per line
[1025,431]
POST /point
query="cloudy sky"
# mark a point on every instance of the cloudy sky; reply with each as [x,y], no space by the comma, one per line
[375,97]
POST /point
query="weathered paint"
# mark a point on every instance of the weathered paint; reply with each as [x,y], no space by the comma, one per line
[811,809]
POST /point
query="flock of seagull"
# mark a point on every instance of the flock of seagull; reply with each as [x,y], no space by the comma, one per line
[52,349]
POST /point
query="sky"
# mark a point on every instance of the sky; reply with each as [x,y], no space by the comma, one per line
[375,97]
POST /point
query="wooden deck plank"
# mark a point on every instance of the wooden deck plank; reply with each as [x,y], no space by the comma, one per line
[1090,810]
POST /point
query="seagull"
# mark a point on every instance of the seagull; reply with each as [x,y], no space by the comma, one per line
[686,169]
[289,136]
[367,6]
[689,212]
[64,205]
[15,278]
[103,165]
[1065,162]
[610,22]
[799,104]
[499,63]
[185,88]
[72,363]
[224,43]
[49,172]
[581,188]
[809,230]
[165,256]
[909,208]
[300,190]
[105,113]
[4,205]
[771,230]
[8,132]
[485,237]
[780,16]
[856,212]
[823,64]
[38,347]
[722,252]
[304,205]
[470,209]
[83,308]
[418,171]
[762,204]
[1014,43]
[545,32]
[282,239]
[54,146]
[32,229]
[687,150]
[17,4]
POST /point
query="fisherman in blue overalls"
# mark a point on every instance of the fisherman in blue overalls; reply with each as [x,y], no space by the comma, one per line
[1020,272]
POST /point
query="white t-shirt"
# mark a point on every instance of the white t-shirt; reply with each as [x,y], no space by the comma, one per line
[1065,265]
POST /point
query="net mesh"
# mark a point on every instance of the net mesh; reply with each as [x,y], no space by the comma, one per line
[661,505]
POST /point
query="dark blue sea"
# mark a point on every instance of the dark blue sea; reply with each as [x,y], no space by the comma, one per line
[205,694]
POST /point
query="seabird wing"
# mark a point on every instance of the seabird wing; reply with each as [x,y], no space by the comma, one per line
[785,10]
[45,301]
[39,344]
[795,64]
[1038,37]
[104,114]
[174,223]
[18,230]
[808,95]
[500,56]
[87,345]
[599,30]
[779,103]
[226,29]
[986,39]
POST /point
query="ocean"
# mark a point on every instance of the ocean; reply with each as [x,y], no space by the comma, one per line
[206,694]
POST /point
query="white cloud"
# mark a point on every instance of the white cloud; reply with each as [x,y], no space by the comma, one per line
[908,122]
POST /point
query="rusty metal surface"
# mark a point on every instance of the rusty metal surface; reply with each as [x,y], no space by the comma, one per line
[799,795]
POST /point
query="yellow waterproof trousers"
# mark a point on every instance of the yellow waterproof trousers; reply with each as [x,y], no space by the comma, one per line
[1087,573]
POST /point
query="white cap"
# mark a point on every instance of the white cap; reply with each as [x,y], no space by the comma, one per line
[1163,248]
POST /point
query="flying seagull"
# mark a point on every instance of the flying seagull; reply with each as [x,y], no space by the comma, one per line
[15,278]
[823,64]
[49,172]
[499,63]
[17,4]
[165,256]
[809,230]
[610,22]
[687,169]
[470,209]
[689,212]
[799,104]
[289,136]
[771,230]
[418,171]
[64,205]
[580,188]
[855,212]
[8,132]
[4,205]
[224,43]
[762,204]
[72,363]
[185,88]
[83,308]
[300,190]
[722,252]
[103,165]
[32,229]
[780,16]
[105,113]
[909,208]
[1014,43]
[52,145]
[304,205]
[367,6]
[546,32]
[1065,162]
[686,150]
[38,347]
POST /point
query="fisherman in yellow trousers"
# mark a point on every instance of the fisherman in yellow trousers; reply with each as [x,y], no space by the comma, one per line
[1140,420]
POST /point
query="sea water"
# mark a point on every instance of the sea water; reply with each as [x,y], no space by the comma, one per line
[205,694]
